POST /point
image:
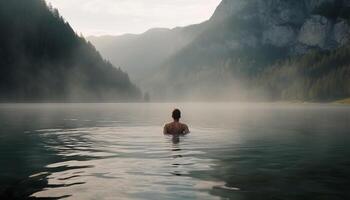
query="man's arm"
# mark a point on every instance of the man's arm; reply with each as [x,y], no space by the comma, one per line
[165,129]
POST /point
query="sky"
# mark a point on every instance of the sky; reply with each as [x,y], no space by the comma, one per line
[116,17]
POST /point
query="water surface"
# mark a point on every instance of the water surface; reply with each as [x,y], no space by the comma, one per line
[117,151]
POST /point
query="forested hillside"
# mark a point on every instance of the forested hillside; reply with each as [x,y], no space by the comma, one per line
[43,59]
[247,48]
[270,50]
[317,76]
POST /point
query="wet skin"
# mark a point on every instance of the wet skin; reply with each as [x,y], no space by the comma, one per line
[176,128]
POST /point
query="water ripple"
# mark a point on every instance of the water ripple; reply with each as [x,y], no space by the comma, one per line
[127,161]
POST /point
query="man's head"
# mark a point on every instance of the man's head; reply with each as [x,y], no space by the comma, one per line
[176,114]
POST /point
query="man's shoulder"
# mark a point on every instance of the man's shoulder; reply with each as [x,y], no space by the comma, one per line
[184,125]
[167,125]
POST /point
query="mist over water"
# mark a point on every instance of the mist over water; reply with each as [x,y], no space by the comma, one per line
[234,151]
[246,51]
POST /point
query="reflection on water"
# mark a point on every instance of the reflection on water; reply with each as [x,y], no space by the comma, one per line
[121,161]
[109,151]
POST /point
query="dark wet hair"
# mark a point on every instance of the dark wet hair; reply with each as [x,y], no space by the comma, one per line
[176,114]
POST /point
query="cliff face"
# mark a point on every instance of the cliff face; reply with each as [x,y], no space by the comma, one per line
[244,38]
[239,43]
[299,25]
[293,26]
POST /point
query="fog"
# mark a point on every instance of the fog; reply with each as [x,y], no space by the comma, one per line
[258,85]
[43,60]
[77,151]
[226,56]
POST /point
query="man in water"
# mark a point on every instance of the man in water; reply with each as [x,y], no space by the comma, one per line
[175,127]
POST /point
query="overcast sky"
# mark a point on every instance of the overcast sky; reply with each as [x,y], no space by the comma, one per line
[115,17]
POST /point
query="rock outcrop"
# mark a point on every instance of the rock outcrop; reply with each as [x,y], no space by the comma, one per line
[341,32]
[243,37]
[299,25]
[227,8]
[281,12]
[279,36]
[315,32]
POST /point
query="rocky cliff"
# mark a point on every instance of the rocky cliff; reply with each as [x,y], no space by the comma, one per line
[300,25]
[242,40]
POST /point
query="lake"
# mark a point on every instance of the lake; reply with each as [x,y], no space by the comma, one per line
[117,151]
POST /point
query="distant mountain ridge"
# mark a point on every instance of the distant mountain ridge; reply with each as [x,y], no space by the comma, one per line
[245,39]
[42,59]
[139,54]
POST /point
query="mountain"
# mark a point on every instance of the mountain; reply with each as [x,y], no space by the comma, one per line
[139,54]
[248,44]
[315,76]
[43,59]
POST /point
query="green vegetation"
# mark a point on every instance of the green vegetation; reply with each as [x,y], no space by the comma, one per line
[244,54]
[317,76]
[213,46]
[43,59]
[344,101]
[264,71]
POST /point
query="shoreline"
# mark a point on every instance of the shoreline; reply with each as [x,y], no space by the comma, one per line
[343,101]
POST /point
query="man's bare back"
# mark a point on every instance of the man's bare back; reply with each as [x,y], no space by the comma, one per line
[175,127]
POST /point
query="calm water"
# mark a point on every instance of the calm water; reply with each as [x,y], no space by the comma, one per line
[117,151]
